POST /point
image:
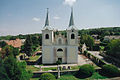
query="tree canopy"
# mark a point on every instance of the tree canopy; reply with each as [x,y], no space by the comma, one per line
[113,48]
[88,40]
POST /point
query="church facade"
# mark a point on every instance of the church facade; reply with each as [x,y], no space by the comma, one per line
[60,47]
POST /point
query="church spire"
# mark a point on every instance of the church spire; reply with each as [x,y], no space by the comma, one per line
[71,23]
[47,20]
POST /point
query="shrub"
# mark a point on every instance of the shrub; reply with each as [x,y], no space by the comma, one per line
[110,70]
[47,76]
[67,77]
[85,71]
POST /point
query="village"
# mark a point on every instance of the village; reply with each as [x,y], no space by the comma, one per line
[59,40]
[92,53]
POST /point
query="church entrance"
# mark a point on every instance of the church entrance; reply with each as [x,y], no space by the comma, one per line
[60,55]
[60,59]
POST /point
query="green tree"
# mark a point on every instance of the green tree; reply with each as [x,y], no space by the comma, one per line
[110,70]
[3,74]
[3,44]
[9,50]
[88,40]
[6,51]
[85,71]
[35,40]
[28,46]
[113,48]
[40,40]
[15,51]
[16,70]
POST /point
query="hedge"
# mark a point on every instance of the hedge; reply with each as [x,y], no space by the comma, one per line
[47,76]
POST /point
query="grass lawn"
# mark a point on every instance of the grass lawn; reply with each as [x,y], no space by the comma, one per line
[32,68]
[52,68]
[34,58]
[75,67]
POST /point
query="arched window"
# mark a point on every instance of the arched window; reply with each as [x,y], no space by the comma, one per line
[59,49]
[72,36]
[46,36]
[60,41]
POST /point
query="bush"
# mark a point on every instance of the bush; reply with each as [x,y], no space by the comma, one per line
[67,77]
[47,76]
[110,70]
[85,71]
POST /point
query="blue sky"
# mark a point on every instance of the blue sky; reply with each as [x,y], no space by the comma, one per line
[28,16]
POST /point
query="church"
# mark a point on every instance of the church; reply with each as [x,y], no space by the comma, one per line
[58,47]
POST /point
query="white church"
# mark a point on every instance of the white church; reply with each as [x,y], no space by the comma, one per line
[59,47]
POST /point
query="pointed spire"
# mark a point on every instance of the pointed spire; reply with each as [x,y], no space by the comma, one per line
[47,20]
[71,23]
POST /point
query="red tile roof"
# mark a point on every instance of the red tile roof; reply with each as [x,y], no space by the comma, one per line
[0,49]
[15,43]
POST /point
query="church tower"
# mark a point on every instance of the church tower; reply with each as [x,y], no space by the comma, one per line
[47,40]
[72,41]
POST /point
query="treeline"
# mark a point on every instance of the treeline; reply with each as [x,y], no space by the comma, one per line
[20,36]
[101,31]
[96,31]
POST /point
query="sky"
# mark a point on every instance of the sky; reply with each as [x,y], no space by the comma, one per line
[28,16]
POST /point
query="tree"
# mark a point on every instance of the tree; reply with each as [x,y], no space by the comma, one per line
[40,40]
[110,70]
[3,74]
[16,70]
[15,51]
[3,44]
[6,51]
[35,40]
[113,48]
[9,50]
[85,71]
[28,46]
[88,40]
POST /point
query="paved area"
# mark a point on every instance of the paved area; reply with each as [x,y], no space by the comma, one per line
[96,53]
[83,60]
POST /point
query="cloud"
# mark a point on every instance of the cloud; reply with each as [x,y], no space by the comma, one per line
[69,2]
[36,19]
[56,17]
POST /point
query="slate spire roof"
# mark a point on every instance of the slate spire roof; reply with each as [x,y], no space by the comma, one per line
[47,26]
[71,23]
[47,19]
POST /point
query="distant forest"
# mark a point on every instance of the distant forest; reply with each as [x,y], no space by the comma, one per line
[96,31]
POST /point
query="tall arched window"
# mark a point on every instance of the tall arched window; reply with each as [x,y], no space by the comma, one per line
[72,36]
[46,36]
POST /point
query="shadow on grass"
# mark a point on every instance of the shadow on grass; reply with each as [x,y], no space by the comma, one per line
[81,76]
[106,74]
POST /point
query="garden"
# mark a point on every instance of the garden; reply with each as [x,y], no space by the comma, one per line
[86,71]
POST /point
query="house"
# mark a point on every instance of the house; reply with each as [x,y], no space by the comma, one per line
[111,37]
[0,49]
[15,43]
